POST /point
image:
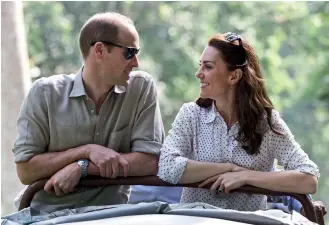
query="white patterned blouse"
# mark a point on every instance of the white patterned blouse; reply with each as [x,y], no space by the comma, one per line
[201,134]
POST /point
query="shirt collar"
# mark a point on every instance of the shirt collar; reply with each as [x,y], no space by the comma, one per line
[79,89]
[119,89]
[211,113]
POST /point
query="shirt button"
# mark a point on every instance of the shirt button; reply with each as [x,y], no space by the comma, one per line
[92,111]
[97,133]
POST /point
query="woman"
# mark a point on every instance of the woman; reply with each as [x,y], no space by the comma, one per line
[232,134]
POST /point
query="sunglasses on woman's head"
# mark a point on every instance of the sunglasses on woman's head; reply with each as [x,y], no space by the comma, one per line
[231,37]
[129,52]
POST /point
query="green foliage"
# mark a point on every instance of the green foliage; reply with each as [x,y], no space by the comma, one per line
[290,39]
[50,42]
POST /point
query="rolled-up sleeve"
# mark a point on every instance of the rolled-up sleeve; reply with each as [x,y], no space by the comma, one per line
[177,146]
[32,125]
[288,152]
[148,131]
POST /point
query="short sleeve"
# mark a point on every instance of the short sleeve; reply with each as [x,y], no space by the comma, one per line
[177,146]
[32,125]
[148,131]
[287,151]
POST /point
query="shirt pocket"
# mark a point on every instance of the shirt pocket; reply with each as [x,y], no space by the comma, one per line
[64,130]
[120,140]
[65,119]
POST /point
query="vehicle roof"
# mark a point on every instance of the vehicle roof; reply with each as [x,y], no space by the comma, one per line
[159,219]
[157,213]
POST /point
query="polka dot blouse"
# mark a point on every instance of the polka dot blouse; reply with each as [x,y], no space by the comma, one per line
[201,134]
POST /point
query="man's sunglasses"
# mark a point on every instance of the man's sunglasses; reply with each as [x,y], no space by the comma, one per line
[129,52]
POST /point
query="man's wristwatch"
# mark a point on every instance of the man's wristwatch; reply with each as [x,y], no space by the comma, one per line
[83,163]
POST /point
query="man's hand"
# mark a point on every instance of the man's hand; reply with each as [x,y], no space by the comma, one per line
[64,181]
[226,182]
[108,161]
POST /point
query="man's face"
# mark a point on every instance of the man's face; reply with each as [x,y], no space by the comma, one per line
[115,66]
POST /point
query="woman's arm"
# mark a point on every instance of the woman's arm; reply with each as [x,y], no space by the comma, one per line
[175,163]
[300,175]
[196,171]
[285,181]
[177,146]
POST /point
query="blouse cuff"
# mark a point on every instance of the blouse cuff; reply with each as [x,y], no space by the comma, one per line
[174,169]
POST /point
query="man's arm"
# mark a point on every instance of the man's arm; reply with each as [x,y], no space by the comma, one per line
[64,181]
[47,164]
[103,159]
[147,134]
[32,160]
[140,164]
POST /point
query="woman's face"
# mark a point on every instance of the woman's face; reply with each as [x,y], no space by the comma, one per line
[213,74]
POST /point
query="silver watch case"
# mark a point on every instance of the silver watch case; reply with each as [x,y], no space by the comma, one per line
[83,163]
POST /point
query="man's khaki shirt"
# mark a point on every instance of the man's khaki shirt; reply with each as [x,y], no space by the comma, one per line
[57,115]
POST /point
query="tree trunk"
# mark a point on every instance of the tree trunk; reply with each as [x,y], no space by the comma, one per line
[15,82]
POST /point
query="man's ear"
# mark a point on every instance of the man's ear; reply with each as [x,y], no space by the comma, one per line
[235,76]
[98,50]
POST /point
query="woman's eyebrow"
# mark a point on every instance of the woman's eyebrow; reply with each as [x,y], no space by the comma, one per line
[207,61]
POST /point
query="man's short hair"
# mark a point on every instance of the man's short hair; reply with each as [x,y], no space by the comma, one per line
[101,27]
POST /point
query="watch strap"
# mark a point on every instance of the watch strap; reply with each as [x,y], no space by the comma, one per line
[83,163]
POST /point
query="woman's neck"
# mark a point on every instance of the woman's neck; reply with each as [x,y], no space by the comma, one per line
[225,106]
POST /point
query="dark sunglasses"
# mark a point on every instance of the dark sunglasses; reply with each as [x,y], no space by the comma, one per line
[230,37]
[129,52]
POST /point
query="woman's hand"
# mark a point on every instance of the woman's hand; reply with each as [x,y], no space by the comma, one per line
[236,168]
[227,181]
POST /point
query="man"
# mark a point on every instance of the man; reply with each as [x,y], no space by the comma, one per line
[105,120]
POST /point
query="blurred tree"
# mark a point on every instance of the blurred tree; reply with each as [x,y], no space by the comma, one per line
[53,47]
[15,77]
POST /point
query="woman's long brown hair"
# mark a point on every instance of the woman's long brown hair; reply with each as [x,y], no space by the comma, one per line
[252,101]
